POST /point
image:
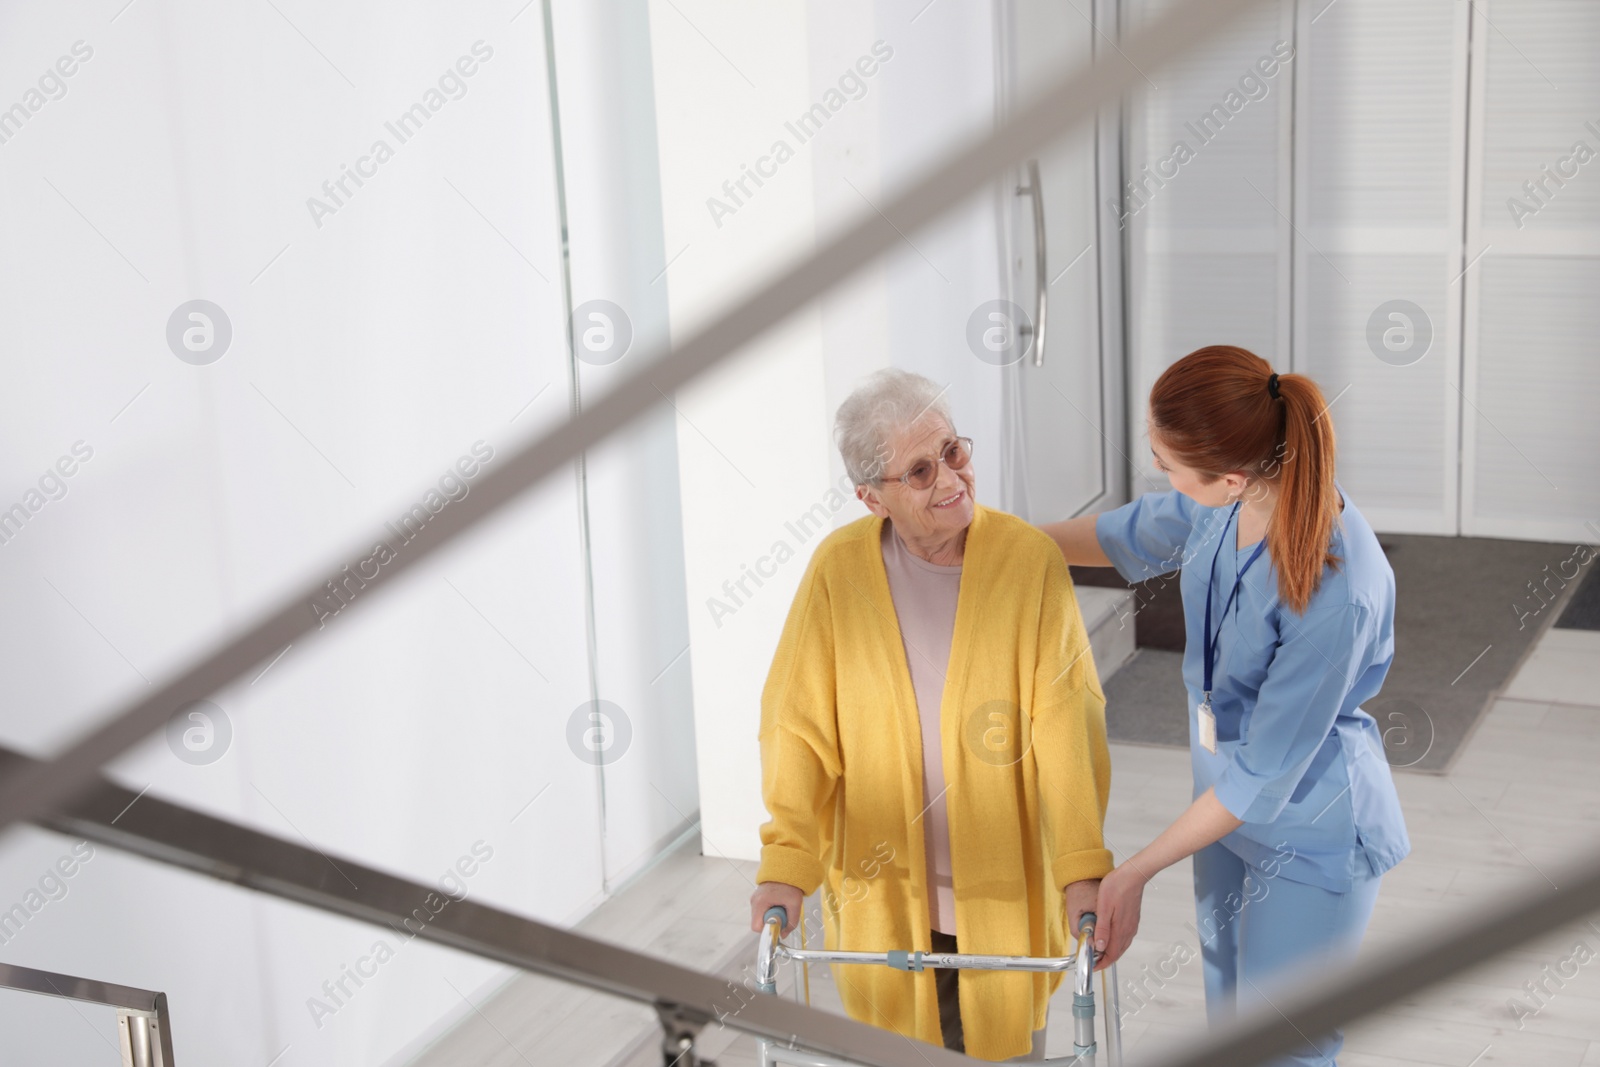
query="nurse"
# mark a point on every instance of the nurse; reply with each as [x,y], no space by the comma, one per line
[1289,609]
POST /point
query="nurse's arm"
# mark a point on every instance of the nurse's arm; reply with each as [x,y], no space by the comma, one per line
[1203,823]
[1143,538]
[1077,540]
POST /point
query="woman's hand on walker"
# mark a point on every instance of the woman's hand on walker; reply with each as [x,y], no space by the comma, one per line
[1117,918]
[1079,899]
[779,894]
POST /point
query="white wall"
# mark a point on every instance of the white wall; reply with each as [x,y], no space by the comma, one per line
[368,353]
[751,452]
[613,197]
[754,438]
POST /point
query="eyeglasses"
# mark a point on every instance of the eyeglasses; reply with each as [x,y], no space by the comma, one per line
[924,472]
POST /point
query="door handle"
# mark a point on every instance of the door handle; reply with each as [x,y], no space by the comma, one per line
[1041,282]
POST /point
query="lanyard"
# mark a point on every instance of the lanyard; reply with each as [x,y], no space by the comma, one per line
[1208,643]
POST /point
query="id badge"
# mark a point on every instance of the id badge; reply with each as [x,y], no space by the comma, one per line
[1208,728]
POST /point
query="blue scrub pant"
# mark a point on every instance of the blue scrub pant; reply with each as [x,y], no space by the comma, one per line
[1256,929]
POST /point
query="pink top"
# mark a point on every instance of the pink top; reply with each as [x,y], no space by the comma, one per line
[925,602]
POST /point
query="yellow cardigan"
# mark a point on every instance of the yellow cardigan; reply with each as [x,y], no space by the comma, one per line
[1025,759]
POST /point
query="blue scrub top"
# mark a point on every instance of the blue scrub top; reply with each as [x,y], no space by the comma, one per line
[1297,758]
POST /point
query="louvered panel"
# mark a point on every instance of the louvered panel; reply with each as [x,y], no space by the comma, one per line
[1536,437]
[1231,149]
[1208,224]
[1543,97]
[1384,110]
[1532,372]
[1195,299]
[1393,421]
[1381,132]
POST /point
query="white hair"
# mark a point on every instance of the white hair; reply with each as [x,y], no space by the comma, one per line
[887,402]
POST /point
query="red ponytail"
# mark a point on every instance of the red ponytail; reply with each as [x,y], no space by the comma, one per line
[1214,410]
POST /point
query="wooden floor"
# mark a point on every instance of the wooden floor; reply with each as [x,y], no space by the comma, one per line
[1522,799]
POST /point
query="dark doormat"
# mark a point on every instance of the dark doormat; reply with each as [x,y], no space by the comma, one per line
[1583,610]
[1467,612]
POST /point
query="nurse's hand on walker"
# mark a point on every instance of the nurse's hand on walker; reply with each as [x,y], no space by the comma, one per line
[1202,823]
[1117,917]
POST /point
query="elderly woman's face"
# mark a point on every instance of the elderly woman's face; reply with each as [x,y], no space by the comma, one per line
[932,514]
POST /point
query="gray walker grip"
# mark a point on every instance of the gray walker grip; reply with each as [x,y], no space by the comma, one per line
[772,923]
[1083,1044]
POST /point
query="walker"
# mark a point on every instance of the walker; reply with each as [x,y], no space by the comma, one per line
[771,949]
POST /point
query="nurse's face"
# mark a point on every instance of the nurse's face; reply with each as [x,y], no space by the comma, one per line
[1215,493]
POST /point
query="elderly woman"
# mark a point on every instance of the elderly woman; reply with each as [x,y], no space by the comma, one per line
[933,737]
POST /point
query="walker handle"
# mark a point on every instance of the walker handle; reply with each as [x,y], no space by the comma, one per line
[767,948]
[1083,982]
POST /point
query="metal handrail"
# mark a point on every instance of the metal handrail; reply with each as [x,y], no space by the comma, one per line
[685,999]
[143,1029]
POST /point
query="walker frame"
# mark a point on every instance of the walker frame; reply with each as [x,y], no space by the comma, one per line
[770,951]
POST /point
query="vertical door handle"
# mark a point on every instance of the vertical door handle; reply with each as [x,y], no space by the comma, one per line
[1041,281]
